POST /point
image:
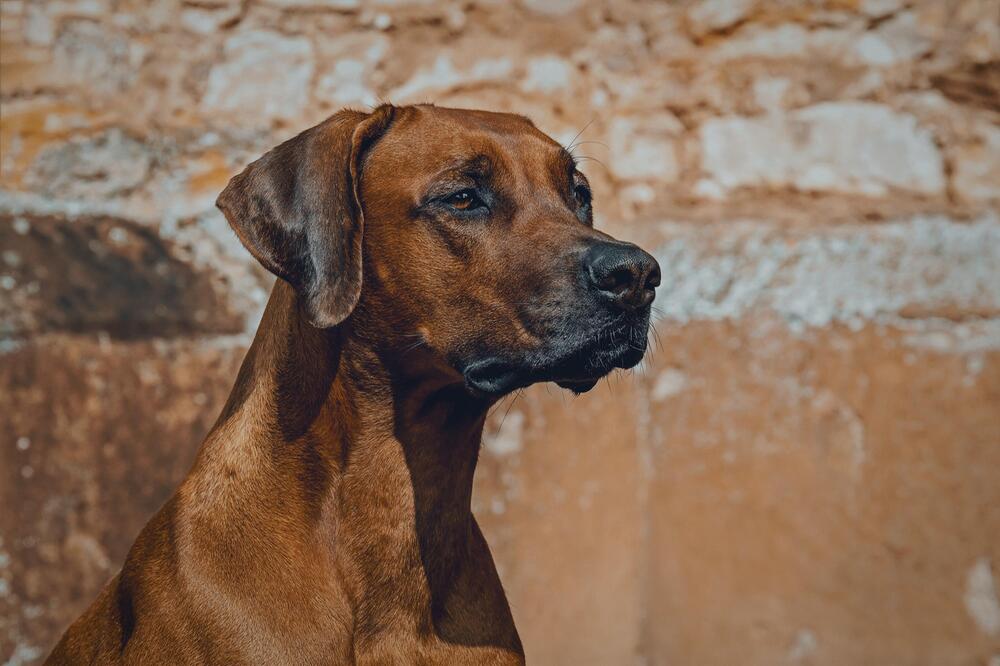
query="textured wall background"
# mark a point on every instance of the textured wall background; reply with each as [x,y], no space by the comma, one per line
[806,471]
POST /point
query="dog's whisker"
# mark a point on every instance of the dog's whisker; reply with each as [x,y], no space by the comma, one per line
[656,336]
[418,343]
[599,143]
[572,144]
[512,401]
[593,159]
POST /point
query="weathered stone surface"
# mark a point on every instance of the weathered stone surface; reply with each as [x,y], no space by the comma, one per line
[924,267]
[314,4]
[880,8]
[87,54]
[644,148]
[898,40]
[748,459]
[443,75]
[348,67]
[554,7]
[100,275]
[845,147]
[976,85]
[95,167]
[264,75]
[95,436]
[981,600]
[828,499]
[552,513]
[207,20]
[787,40]
[547,74]
[711,15]
[977,166]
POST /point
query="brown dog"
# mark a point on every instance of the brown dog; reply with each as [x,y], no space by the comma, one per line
[432,260]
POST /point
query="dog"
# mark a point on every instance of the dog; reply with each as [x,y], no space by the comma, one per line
[431,261]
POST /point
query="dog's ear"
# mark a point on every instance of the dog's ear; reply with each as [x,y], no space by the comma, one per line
[296,209]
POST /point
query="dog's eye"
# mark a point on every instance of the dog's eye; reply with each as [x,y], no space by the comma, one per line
[583,195]
[464,200]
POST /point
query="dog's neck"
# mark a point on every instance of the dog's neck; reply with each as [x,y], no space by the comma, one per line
[379,451]
[362,411]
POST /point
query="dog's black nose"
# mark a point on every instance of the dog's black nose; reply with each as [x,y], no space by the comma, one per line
[622,273]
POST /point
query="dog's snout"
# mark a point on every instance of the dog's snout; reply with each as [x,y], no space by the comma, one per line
[622,273]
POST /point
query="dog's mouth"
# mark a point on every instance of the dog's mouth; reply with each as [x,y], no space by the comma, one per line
[618,346]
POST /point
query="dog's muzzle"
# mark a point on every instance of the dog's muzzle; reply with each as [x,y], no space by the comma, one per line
[620,281]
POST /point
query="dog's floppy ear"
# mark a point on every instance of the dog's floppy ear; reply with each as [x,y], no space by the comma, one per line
[296,209]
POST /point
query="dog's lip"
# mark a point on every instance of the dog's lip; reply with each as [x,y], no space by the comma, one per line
[578,386]
[497,374]
[493,376]
[621,354]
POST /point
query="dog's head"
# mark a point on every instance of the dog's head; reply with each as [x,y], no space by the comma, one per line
[466,234]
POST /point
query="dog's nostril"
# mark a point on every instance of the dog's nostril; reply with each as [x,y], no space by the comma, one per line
[653,277]
[616,281]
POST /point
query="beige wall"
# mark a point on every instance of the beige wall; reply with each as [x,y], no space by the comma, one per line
[807,470]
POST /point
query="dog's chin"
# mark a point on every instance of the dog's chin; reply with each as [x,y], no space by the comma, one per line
[582,373]
[578,386]
[578,371]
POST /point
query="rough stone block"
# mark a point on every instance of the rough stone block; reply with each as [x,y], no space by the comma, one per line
[264,75]
[94,55]
[315,4]
[548,74]
[348,68]
[923,267]
[94,167]
[443,75]
[977,166]
[644,148]
[711,15]
[851,147]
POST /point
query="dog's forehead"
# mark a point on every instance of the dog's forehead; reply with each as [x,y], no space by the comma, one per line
[433,137]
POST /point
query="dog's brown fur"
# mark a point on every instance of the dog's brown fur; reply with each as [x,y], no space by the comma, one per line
[327,517]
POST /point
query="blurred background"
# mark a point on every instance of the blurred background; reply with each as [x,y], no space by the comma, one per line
[805,471]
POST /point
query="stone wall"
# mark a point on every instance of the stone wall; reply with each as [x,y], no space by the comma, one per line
[807,470]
